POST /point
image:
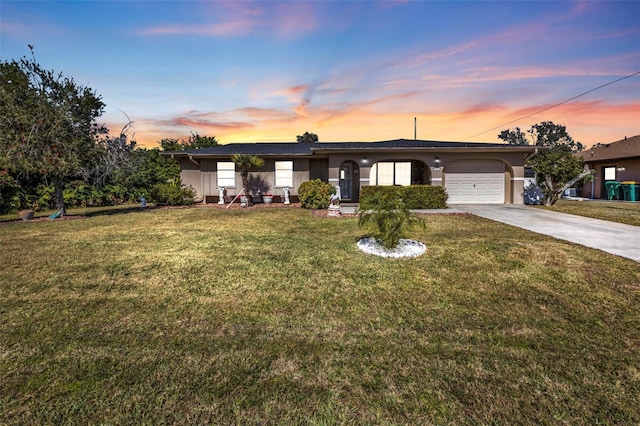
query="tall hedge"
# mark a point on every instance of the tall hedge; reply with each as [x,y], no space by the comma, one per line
[423,197]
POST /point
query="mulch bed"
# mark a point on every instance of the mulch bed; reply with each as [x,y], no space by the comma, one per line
[237,205]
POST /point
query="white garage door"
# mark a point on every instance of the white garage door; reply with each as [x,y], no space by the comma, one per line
[475,182]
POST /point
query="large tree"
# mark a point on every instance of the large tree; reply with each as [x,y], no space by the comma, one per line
[195,141]
[514,137]
[307,137]
[114,158]
[546,133]
[556,168]
[47,124]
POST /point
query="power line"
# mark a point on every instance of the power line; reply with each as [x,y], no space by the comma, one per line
[555,105]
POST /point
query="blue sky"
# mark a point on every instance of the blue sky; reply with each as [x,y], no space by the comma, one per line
[346,70]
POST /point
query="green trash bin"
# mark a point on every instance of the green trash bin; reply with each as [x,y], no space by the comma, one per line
[614,192]
[630,190]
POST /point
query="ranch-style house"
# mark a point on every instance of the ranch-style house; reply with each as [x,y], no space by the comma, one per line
[480,173]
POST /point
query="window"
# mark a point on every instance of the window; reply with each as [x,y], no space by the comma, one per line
[226,174]
[610,173]
[391,173]
[284,173]
[403,173]
[383,173]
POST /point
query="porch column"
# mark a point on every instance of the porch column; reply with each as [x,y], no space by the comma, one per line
[436,176]
[365,174]
[334,171]
[517,185]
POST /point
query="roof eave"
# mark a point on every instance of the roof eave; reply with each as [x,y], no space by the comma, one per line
[506,148]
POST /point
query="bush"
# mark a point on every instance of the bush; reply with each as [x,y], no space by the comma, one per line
[315,194]
[117,194]
[389,215]
[172,193]
[9,188]
[80,194]
[423,197]
[45,200]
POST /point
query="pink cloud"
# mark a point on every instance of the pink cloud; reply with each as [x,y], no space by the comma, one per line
[295,17]
[264,114]
[223,29]
[13,29]
[301,108]
[246,17]
[484,108]
[582,7]
[226,19]
[292,91]
[205,124]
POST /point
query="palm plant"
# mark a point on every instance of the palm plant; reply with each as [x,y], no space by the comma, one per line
[389,216]
[245,163]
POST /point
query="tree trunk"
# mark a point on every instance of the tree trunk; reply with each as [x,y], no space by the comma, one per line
[245,184]
[557,193]
[59,197]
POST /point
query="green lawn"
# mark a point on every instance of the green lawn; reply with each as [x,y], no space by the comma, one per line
[615,211]
[273,316]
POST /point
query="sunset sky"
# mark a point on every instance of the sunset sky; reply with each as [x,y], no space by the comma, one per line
[267,71]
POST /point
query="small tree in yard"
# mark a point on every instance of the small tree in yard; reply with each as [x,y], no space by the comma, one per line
[389,216]
[246,163]
[556,168]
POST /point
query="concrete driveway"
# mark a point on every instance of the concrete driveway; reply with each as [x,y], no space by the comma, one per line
[615,238]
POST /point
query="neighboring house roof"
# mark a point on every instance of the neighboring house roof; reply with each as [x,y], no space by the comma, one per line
[308,149]
[625,148]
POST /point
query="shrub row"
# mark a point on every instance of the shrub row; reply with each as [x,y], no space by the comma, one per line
[76,194]
[80,194]
[315,194]
[424,197]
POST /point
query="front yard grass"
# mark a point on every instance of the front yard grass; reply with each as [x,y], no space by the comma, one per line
[273,316]
[614,211]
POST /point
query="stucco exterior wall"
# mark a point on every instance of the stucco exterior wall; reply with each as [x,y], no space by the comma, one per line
[201,174]
[626,170]
[191,176]
[513,175]
[203,177]
[517,180]
[319,169]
